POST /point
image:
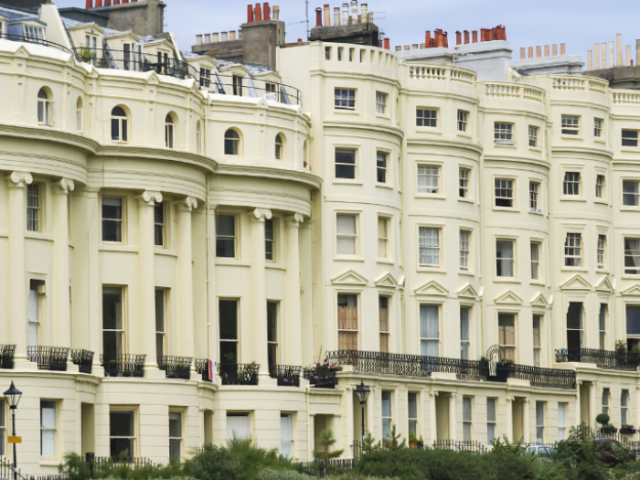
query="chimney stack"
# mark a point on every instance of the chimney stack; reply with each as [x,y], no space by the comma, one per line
[612,58]
[318,17]
[555,50]
[89,4]
[336,16]
[439,38]
[427,38]
[563,49]
[619,60]
[466,37]
[276,12]
[589,60]
[530,52]
[98,3]
[458,38]
[538,51]
[216,37]
[628,55]
[354,11]
[364,12]
[258,13]
[398,48]
[474,36]
[232,35]
[207,37]
[266,11]
[198,39]
[387,47]
[596,56]
[522,53]
[345,14]
[604,55]
[249,14]
[327,15]
[225,36]
[546,51]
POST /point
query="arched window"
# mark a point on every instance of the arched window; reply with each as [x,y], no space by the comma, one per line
[279,148]
[119,125]
[198,137]
[169,131]
[79,114]
[45,108]
[231,142]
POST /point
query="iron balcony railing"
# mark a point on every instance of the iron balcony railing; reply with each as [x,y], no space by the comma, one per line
[123,365]
[175,367]
[202,367]
[322,376]
[472,446]
[32,39]
[82,358]
[607,359]
[287,375]
[238,373]
[424,366]
[49,358]
[6,356]
[254,87]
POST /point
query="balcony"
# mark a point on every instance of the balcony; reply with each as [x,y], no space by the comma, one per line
[380,363]
[123,365]
[175,367]
[204,366]
[6,356]
[49,358]
[82,358]
[287,375]
[607,359]
[322,376]
[238,373]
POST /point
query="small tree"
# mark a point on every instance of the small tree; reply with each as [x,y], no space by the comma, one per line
[324,454]
[603,419]
[369,444]
[392,440]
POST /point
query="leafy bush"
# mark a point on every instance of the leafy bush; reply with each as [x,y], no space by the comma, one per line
[284,475]
[603,419]
[75,468]
[253,459]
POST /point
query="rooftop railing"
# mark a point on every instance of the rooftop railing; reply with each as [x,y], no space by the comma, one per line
[607,359]
[39,41]
[6,356]
[255,87]
[238,373]
[49,358]
[381,363]
[123,365]
[82,358]
[287,375]
[175,367]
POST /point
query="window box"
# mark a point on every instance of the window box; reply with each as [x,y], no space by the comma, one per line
[287,375]
[321,376]
[82,358]
[123,365]
[627,430]
[49,358]
[6,356]
[239,373]
[175,367]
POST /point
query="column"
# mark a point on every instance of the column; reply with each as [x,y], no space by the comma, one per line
[212,314]
[432,434]
[292,325]
[526,428]
[578,414]
[60,301]
[452,416]
[93,288]
[17,312]
[509,432]
[258,280]
[185,278]
[146,277]
[593,395]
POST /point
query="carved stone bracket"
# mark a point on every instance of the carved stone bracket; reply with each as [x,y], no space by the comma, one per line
[19,179]
[149,198]
[64,186]
[261,214]
[188,203]
[295,220]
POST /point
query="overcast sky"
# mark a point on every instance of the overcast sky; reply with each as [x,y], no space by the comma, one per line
[578,23]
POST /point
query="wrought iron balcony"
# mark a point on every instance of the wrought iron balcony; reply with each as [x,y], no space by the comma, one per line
[49,358]
[322,376]
[460,445]
[202,367]
[238,373]
[123,365]
[608,359]
[6,355]
[380,363]
[82,358]
[175,367]
[287,375]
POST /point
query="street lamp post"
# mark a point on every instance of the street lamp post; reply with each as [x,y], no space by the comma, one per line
[363,393]
[13,396]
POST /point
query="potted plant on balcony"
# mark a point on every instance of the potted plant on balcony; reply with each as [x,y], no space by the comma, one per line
[421,442]
[603,419]
[628,429]
[413,441]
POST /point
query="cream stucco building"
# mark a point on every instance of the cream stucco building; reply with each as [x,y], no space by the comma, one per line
[396,217]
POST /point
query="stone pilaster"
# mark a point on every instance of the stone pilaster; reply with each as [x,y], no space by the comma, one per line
[185,320]
[292,319]
[259,297]
[61,317]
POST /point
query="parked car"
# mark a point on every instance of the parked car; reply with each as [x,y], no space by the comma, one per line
[607,446]
[540,451]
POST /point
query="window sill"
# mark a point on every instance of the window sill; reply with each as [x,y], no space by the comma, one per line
[385,262]
[536,149]
[346,111]
[505,209]
[424,269]
[384,117]
[232,262]
[571,137]
[629,276]
[601,202]
[118,247]
[566,198]
[165,251]
[630,149]
[435,196]
[38,236]
[275,266]
[469,273]
[629,209]
[384,185]
[347,259]
[338,181]
[603,270]
[538,283]
[434,130]
[534,212]
[466,200]
[502,145]
[573,269]
[468,136]
[597,140]
[506,280]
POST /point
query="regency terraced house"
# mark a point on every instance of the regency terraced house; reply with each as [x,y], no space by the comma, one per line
[183,239]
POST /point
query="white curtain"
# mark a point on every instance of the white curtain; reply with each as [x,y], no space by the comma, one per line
[238,426]
[286,435]
[429,330]
[33,318]
[346,225]
[630,192]
[491,419]
[504,252]
[561,420]
[464,333]
[48,420]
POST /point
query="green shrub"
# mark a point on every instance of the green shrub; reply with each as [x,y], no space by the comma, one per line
[253,460]
[213,463]
[603,419]
[284,475]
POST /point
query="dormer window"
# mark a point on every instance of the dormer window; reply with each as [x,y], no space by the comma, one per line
[91,47]
[237,85]
[33,33]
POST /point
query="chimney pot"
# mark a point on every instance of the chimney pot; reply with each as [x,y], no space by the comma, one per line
[546,51]
[407,47]
[299,40]
[398,48]
[258,13]
[466,37]
[554,50]
[387,47]
[494,33]
[89,4]
[336,16]
[628,52]
[474,36]
[327,15]
[207,37]
[225,36]
[423,46]
[107,3]
[414,46]
[458,38]
[354,10]
[445,41]
[530,52]
[232,35]
[116,2]
[216,38]
[596,56]
[522,50]
[379,43]
[563,49]
[427,38]
[364,11]
[318,17]
[125,1]
[98,3]
[538,51]
[249,14]
[276,12]
[266,11]
[589,60]
[198,39]
[619,62]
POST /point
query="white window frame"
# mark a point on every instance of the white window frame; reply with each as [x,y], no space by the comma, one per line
[634,196]
[512,259]
[286,443]
[533,136]
[601,183]
[540,421]
[535,196]
[354,164]
[601,251]
[35,196]
[234,237]
[381,103]
[427,117]
[631,254]
[121,220]
[502,186]
[573,248]
[174,438]
[463,121]
[624,406]
[345,98]
[464,177]
[536,264]
[605,400]
[465,343]
[537,341]
[384,238]
[572,185]
[570,125]
[384,167]
[598,126]
[414,421]
[504,133]
[45,109]
[465,250]
[387,420]
[429,246]
[426,172]
[631,139]
[49,428]
[603,315]
[169,132]
[354,236]
[491,419]
[562,420]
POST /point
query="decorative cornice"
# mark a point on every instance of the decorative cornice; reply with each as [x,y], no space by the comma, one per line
[19,179]
[64,186]
[270,172]
[295,220]
[169,154]
[188,203]
[261,214]
[149,197]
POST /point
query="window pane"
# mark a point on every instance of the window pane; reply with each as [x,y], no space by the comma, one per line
[121,424]
[633,319]
[175,424]
[228,320]
[159,310]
